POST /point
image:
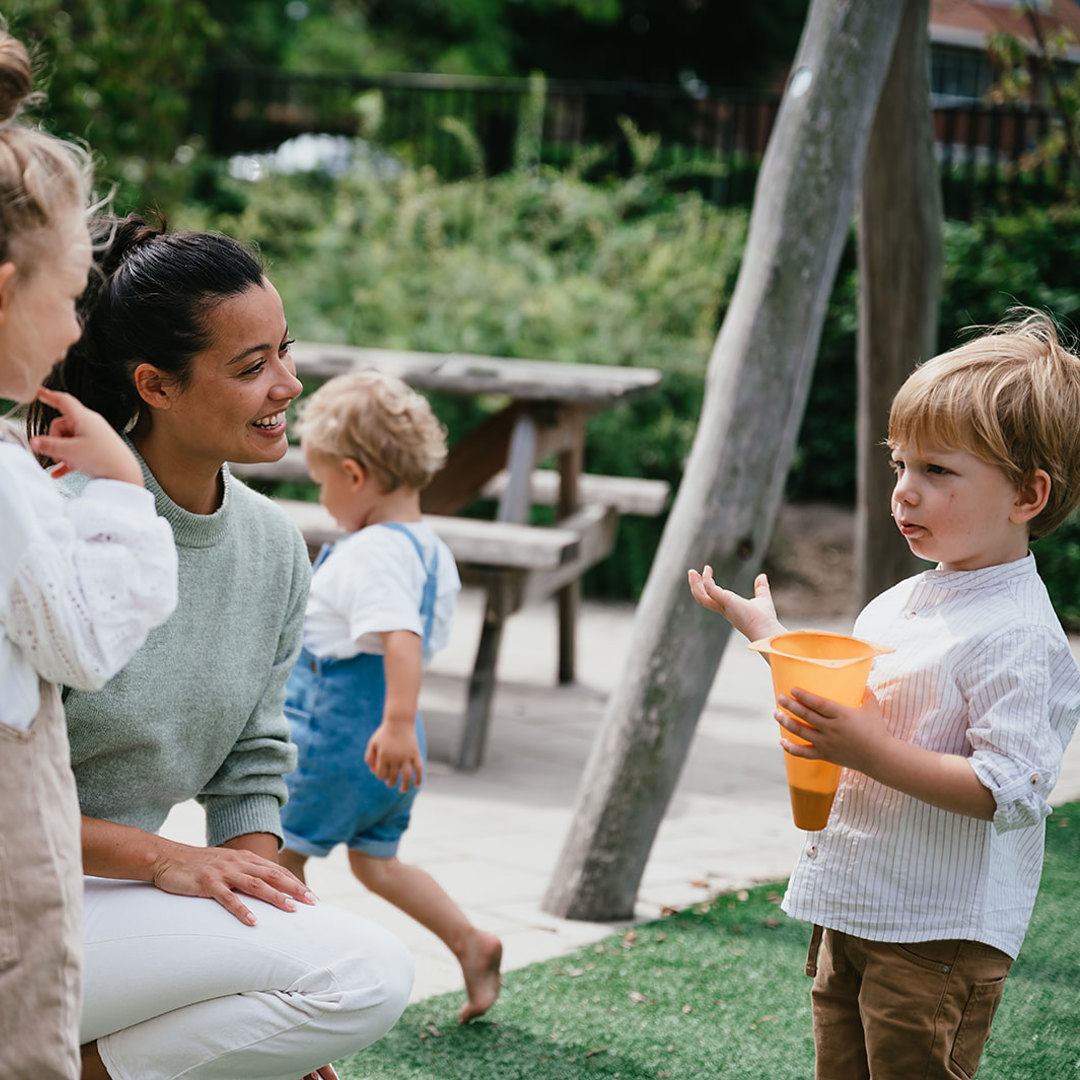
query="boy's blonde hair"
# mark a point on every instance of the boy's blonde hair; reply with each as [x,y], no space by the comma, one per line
[381,423]
[1010,397]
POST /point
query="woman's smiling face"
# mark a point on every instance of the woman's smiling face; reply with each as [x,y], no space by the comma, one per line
[232,406]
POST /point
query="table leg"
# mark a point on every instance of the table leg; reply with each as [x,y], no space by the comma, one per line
[513,507]
[503,596]
[571,464]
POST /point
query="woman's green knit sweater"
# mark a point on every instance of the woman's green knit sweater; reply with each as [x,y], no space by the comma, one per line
[197,712]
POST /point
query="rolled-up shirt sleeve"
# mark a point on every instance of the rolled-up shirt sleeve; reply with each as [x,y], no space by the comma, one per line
[1017,746]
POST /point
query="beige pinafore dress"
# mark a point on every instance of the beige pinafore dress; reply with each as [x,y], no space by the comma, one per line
[40,898]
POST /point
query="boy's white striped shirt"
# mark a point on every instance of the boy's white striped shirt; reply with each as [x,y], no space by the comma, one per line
[983,669]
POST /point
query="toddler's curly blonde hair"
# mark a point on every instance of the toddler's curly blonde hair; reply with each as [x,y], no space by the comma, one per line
[381,423]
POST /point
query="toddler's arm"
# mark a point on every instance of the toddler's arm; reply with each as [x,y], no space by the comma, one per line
[754,619]
[859,739]
[393,752]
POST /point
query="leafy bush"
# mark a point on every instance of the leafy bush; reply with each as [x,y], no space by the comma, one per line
[539,263]
[530,264]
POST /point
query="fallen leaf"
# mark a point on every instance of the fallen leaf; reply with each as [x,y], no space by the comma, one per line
[698,883]
[639,999]
[687,1008]
[667,911]
[742,895]
[598,1050]
[772,923]
[629,939]
[771,1016]
[433,1031]
[660,937]
[571,973]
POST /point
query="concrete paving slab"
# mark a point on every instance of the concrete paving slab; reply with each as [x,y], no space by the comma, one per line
[492,838]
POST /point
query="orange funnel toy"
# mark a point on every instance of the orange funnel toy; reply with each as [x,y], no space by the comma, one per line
[836,667]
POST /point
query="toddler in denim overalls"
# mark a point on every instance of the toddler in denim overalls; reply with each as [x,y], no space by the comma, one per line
[381,604]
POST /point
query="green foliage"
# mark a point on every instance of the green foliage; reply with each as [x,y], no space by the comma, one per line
[530,264]
[539,263]
[120,74]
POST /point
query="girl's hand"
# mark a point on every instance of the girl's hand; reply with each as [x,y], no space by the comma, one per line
[224,874]
[754,619]
[81,440]
[393,755]
[855,737]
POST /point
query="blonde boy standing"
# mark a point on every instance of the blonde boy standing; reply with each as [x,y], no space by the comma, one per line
[381,604]
[921,885]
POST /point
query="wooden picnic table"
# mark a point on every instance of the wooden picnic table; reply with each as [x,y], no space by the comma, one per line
[544,408]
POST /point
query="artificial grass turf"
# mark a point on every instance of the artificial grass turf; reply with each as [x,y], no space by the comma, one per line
[719,990]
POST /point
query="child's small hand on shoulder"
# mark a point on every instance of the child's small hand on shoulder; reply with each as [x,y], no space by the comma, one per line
[81,440]
[755,619]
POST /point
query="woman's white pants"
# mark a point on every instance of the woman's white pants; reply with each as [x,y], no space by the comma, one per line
[175,986]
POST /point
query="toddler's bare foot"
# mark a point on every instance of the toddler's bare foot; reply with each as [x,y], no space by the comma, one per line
[480,965]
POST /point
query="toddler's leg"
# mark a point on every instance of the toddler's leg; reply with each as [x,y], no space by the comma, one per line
[294,862]
[421,897]
[839,1040]
[928,1006]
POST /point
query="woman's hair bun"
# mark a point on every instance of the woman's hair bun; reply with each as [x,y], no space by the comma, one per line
[16,76]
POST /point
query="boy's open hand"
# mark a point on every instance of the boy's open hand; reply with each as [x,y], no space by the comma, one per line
[81,440]
[855,737]
[393,755]
[754,619]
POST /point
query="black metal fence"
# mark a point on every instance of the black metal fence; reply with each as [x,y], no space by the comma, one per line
[715,141]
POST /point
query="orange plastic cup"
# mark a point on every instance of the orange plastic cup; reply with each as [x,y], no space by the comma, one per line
[836,667]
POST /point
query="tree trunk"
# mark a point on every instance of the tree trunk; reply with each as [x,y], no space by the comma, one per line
[755,394]
[900,265]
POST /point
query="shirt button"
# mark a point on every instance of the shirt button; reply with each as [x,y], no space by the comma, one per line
[1035,778]
[910,614]
[811,851]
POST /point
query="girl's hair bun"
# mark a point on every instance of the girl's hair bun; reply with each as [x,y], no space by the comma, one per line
[16,76]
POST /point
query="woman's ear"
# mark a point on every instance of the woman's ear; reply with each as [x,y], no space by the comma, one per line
[1031,498]
[153,386]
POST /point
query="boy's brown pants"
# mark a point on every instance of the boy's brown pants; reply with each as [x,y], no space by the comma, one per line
[917,1011]
[40,900]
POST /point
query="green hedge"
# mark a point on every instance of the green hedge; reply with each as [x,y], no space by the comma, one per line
[543,264]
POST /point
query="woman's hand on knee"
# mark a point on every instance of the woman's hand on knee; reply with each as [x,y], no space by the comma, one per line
[225,875]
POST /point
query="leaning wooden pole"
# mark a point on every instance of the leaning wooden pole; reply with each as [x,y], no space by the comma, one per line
[900,266]
[758,379]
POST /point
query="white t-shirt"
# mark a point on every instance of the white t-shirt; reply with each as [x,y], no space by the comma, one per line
[982,669]
[82,581]
[372,583]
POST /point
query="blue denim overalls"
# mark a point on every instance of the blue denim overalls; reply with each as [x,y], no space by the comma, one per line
[334,707]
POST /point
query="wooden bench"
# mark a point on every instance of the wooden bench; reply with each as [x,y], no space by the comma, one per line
[627,494]
[516,564]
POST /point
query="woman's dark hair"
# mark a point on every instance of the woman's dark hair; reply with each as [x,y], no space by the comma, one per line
[147,301]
